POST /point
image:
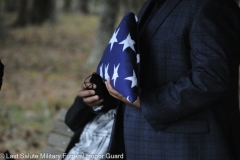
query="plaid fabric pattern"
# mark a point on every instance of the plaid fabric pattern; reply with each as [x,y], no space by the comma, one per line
[189,82]
[94,140]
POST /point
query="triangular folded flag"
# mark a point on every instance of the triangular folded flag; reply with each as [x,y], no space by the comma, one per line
[120,59]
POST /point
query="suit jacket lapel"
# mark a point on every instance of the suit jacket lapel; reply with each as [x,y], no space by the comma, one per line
[160,16]
[143,10]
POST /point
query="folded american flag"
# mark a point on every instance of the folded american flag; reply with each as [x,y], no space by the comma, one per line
[120,59]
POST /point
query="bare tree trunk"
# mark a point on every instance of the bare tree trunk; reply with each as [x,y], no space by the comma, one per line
[23,18]
[1,5]
[1,73]
[52,12]
[3,31]
[11,5]
[67,5]
[42,11]
[132,5]
[83,6]
[136,5]
[104,32]
[126,7]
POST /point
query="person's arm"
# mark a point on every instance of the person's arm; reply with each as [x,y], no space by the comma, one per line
[86,106]
[92,99]
[78,114]
[214,41]
[214,51]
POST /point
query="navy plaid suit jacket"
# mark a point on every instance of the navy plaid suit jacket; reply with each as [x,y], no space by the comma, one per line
[189,86]
[189,58]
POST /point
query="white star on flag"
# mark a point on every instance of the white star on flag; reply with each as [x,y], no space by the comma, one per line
[106,72]
[115,74]
[120,60]
[101,70]
[133,79]
[128,42]
[114,38]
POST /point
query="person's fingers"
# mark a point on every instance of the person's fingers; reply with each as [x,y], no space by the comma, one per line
[112,91]
[118,96]
[96,103]
[86,93]
[88,85]
[106,83]
[93,100]
[109,88]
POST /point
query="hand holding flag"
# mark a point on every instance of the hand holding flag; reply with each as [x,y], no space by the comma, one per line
[118,96]
[120,60]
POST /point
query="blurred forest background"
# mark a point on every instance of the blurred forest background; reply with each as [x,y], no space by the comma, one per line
[48,47]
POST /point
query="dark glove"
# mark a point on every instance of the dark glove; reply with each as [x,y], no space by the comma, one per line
[101,90]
